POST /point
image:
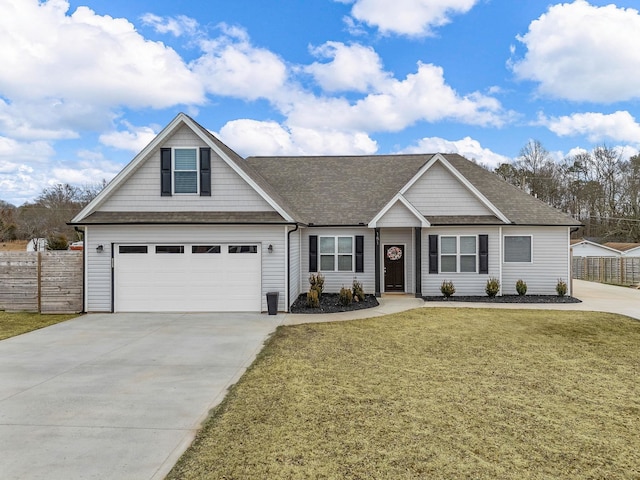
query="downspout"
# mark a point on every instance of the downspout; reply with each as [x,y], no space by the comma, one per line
[500,243]
[84,267]
[288,305]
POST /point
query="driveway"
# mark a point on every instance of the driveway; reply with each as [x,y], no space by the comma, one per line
[117,396]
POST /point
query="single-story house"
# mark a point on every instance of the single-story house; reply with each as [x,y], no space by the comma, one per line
[587,248]
[626,249]
[189,225]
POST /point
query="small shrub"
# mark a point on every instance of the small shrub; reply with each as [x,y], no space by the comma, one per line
[493,287]
[317,283]
[447,288]
[57,242]
[521,287]
[345,296]
[312,298]
[561,287]
[357,291]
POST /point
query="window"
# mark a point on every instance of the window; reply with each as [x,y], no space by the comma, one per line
[132,249]
[205,249]
[243,249]
[517,249]
[336,254]
[169,248]
[185,170]
[458,254]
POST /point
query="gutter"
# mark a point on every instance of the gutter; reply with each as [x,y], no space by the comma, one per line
[288,305]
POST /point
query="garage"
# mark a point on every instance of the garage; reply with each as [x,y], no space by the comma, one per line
[186,277]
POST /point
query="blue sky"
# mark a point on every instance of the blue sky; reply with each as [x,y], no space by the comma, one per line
[86,84]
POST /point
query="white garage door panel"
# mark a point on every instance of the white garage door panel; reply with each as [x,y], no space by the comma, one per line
[187,282]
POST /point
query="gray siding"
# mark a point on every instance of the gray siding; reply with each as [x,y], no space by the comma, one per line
[334,281]
[141,192]
[400,236]
[438,192]
[465,283]
[398,216]
[550,261]
[98,280]
[295,280]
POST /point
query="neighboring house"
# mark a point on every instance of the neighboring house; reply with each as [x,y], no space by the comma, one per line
[189,225]
[625,248]
[587,248]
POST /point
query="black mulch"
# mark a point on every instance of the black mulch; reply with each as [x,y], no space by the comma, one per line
[506,299]
[330,303]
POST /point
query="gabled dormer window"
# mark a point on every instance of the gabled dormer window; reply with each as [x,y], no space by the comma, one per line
[185,171]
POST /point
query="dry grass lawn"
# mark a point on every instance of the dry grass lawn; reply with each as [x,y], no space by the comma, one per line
[12,324]
[433,393]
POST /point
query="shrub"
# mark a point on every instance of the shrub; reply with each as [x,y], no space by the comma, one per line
[57,242]
[317,283]
[312,298]
[493,287]
[357,291]
[521,287]
[345,296]
[447,288]
[561,288]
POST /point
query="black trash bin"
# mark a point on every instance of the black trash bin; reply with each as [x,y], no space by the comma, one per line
[272,303]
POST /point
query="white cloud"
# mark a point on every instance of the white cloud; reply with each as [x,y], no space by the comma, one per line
[467,147]
[421,96]
[352,67]
[176,26]
[408,17]
[581,52]
[232,66]
[251,137]
[618,126]
[133,139]
[87,58]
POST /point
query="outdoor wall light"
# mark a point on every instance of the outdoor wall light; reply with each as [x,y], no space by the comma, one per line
[100,248]
[270,248]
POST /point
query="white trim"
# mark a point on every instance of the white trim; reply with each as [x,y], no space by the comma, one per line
[137,161]
[173,171]
[424,223]
[85,252]
[569,263]
[598,245]
[336,254]
[461,178]
[500,253]
[458,253]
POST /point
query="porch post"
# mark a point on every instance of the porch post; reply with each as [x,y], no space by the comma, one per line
[376,256]
[418,260]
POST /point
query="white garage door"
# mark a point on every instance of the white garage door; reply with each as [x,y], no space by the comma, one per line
[187,278]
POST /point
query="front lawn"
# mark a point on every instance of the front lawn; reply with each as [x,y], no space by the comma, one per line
[433,393]
[12,324]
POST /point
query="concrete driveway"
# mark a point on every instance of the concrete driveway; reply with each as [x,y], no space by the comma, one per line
[117,396]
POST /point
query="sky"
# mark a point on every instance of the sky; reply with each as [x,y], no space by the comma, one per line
[86,84]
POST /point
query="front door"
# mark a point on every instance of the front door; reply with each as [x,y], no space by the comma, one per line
[393,268]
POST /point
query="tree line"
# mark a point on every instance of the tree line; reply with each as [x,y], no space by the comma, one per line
[599,188]
[47,216]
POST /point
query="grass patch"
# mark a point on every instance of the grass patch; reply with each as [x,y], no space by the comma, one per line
[12,324]
[433,393]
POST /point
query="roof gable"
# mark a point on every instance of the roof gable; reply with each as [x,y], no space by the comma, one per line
[399,213]
[183,130]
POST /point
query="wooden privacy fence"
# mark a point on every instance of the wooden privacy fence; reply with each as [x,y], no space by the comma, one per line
[618,270]
[46,282]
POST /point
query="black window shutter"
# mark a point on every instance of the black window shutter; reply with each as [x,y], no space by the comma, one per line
[205,172]
[313,253]
[483,241]
[359,253]
[433,253]
[165,172]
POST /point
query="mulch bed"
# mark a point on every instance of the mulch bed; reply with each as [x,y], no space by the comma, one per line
[330,303]
[506,299]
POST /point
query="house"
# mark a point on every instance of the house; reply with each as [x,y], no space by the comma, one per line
[587,248]
[189,225]
[626,249]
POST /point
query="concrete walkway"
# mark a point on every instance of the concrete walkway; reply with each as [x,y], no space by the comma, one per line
[117,396]
[595,297]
